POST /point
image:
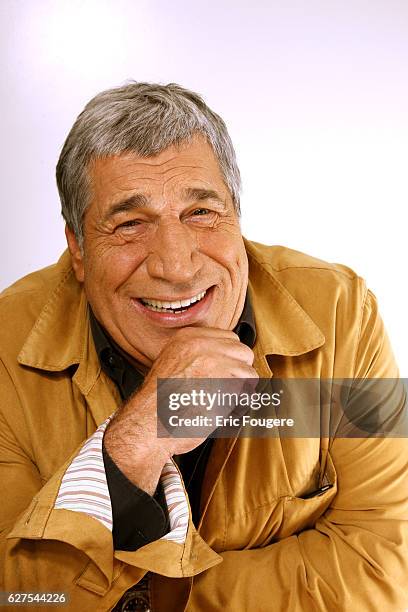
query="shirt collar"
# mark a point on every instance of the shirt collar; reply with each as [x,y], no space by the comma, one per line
[114,361]
[246,328]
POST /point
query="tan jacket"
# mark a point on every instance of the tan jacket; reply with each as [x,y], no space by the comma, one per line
[259,545]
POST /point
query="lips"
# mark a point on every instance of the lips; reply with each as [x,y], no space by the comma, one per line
[173,306]
[195,313]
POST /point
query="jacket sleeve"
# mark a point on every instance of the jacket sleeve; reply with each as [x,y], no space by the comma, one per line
[56,535]
[43,548]
[356,556]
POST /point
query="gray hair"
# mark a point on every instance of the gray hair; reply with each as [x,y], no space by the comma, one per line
[144,118]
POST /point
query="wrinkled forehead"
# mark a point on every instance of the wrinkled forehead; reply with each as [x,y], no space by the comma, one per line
[177,169]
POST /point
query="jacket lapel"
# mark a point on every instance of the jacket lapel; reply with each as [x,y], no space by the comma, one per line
[61,338]
[283,327]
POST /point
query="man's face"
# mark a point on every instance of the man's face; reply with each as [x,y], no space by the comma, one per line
[162,247]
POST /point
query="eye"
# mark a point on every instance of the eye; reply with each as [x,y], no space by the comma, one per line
[203,217]
[200,211]
[130,223]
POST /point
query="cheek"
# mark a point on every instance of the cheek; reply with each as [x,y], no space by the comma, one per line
[112,266]
[227,250]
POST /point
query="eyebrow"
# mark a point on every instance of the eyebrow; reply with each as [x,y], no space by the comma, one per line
[196,194]
[136,200]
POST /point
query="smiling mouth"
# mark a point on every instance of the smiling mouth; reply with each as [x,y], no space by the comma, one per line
[174,306]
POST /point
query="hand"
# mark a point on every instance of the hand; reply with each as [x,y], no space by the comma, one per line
[193,352]
[197,353]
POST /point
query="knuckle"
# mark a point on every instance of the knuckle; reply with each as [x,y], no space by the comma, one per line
[248,352]
[234,337]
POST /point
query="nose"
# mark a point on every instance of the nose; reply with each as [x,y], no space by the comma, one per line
[173,254]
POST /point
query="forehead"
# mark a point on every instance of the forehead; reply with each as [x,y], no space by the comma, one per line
[188,164]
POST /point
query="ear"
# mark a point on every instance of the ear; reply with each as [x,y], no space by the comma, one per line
[77,259]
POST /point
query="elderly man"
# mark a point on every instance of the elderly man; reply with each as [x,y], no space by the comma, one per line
[100,513]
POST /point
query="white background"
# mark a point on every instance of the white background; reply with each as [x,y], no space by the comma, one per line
[315,95]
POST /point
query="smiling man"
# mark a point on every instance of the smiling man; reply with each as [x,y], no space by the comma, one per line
[158,283]
[162,247]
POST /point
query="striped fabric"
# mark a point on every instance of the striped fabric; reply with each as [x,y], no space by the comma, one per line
[84,489]
[176,503]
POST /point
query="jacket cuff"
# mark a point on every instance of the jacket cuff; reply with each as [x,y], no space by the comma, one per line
[84,488]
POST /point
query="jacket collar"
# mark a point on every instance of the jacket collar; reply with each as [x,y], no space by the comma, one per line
[283,327]
[61,336]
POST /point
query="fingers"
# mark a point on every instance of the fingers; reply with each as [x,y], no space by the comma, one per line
[207,332]
[209,340]
[236,368]
[237,350]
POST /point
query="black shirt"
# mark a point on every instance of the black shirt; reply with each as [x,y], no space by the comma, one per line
[139,518]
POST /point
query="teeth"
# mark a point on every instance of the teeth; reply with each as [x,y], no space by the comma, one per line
[159,306]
